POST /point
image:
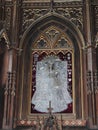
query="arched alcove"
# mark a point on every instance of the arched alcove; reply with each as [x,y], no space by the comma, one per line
[70,31]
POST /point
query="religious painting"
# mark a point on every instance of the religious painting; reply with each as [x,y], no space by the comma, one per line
[52,81]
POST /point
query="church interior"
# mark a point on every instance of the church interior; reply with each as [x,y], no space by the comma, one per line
[49,64]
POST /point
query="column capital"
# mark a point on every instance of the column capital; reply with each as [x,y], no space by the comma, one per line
[17,50]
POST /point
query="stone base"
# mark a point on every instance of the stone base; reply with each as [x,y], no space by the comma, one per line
[64,128]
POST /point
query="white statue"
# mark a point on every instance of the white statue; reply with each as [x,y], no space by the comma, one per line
[51,85]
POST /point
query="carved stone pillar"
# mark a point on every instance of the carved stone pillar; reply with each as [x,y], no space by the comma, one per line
[92,83]
[96,94]
[3,70]
[9,103]
[91,65]
[9,100]
[9,94]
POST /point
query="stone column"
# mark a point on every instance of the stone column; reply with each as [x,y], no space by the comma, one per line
[3,71]
[91,64]
[9,94]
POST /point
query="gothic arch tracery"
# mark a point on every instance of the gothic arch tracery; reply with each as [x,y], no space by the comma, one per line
[37,37]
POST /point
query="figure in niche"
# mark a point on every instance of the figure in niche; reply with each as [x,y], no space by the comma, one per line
[51,85]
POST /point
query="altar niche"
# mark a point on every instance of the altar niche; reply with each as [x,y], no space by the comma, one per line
[52,81]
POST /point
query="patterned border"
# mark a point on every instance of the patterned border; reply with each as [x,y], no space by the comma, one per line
[74,123]
[64,123]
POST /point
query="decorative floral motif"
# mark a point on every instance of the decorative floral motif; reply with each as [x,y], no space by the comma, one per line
[74,14]
[30,15]
[52,34]
[63,123]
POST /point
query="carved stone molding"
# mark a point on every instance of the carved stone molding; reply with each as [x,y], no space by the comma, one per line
[30,15]
[96,40]
[87,47]
[8,17]
[96,81]
[47,3]
[89,83]
[92,82]
[94,2]
[9,100]
[74,14]
[96,17]
[52,38]
[18,51]
[10,87]
[63,122]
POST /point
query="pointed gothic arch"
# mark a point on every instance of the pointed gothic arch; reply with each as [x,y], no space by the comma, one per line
[24,73]
[47,20]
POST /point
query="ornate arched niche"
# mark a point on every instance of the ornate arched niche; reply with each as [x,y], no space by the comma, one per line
[57,39]
[51,50]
